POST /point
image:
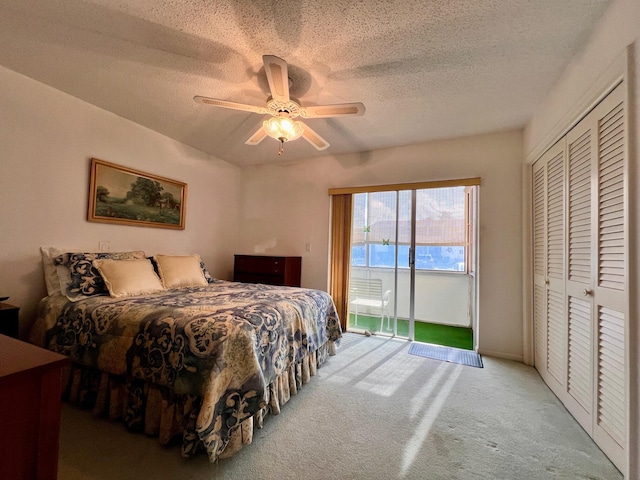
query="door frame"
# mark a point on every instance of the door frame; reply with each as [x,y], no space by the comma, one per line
[471,206]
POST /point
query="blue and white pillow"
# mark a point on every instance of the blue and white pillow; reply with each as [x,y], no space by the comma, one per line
[79,278]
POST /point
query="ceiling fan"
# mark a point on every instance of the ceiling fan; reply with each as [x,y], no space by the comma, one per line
[283,110]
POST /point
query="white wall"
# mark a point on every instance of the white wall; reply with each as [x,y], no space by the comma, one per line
[46,141]
[285,207]
[619,28]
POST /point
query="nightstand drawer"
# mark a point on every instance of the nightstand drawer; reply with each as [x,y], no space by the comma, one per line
[267,269]
[257,264]
[9,320]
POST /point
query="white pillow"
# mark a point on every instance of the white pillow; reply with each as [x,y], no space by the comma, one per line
[50,273]
[125,278]
[180,270]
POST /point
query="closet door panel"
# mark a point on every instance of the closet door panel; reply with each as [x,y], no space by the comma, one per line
[555,259]
[611,290]
[555,220]
[556,358]
[580,365]
[548,267]
[579,204]
[539,265]
[580,228]
[540,327]
[611,373]
[611,221]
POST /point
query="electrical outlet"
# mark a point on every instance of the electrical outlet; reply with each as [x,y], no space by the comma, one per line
[104,246]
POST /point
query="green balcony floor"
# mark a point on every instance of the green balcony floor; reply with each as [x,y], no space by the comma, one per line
[457,337]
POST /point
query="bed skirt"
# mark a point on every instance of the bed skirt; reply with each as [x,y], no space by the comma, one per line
[156,410]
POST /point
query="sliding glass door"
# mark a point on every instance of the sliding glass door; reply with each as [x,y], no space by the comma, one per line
[441,277]
[410,260]
[374,262]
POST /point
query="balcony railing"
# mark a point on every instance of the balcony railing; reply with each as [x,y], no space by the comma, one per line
[441,297]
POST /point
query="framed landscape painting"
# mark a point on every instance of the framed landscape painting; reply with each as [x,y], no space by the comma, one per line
[126,196]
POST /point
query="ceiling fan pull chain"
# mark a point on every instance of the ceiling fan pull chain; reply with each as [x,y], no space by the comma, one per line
[281,149]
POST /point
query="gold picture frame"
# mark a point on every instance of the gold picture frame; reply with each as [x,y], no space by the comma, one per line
[126,196]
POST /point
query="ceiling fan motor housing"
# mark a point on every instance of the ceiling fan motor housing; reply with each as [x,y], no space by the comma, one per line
[275,108]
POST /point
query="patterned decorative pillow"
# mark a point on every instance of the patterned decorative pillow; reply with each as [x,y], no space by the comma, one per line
[207,275]
[79,278]
[205,272]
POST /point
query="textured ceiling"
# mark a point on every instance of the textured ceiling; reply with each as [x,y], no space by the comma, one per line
[425,69]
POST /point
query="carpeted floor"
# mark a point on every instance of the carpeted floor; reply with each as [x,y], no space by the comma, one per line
[372,412]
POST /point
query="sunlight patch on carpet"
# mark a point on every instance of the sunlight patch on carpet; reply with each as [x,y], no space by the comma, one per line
[422,428]
[442,371]
[447,354]
[381,370]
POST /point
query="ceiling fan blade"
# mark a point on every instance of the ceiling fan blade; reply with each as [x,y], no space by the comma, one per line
[314,139]
[257,137]
[338,110]
[278,77]
[232,105]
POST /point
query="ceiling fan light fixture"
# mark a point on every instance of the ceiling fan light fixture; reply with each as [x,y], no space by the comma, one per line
[283,128]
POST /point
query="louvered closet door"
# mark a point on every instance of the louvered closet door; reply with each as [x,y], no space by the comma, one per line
[556,358]
[580,242]
[540,264]
[581,152]
[610,294]
[548,266]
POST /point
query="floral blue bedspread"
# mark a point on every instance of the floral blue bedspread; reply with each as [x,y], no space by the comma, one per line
[225,342]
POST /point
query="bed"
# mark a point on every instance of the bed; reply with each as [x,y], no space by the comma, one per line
[199,360]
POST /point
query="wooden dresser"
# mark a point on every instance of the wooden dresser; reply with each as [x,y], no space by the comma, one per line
[30,383]
[269,270]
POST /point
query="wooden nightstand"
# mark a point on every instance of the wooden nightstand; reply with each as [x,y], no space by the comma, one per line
[9,324]
[30,390]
